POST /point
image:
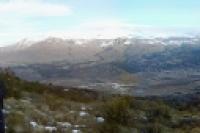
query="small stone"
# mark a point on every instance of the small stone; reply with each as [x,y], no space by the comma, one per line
[83,113]
[64,124]
[100,119]
[50,129]
[83,108]
[76,131]
[33,124]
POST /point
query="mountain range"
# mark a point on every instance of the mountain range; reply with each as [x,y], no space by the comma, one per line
[142,66]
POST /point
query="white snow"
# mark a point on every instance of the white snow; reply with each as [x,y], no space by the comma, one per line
[78,42]
[106,44]
[127,42]
[24,43]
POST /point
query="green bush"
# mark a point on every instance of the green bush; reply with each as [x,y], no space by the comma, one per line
[117,110]
[158,112]
[152,128]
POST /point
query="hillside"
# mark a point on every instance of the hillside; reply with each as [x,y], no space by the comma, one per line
[33,107]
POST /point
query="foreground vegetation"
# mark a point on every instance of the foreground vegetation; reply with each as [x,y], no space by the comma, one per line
[31,107]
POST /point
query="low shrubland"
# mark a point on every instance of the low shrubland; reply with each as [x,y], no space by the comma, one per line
[31,107]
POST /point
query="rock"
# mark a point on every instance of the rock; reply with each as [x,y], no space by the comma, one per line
[5,112]
[66,90]
[76,126]
[50,129]
[64,124]
[76,131]
[100,119]
[72,111]
[83,108]
[33,124]
[83,113]
[80,126]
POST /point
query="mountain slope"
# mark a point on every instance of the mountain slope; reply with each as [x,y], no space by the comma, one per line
[82,50]
[134,63]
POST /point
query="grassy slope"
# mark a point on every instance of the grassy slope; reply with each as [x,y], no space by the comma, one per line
[47,105]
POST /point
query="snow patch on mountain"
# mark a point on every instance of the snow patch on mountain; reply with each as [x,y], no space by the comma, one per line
[106,44]
[24,44]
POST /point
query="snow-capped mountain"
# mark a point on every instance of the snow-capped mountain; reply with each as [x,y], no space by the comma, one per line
[120,60]
[84,50]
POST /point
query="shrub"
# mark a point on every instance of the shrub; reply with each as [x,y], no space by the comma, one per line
[117,110]
[151,128]
[195,130]
[158,112]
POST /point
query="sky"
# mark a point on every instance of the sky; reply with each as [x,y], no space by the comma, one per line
[37,19]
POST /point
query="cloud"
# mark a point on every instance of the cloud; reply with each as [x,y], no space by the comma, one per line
[105,28]
[108,28]
[86,30]
[33,8]
[115,28]
[94,29]
[20,18]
